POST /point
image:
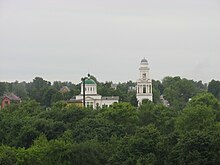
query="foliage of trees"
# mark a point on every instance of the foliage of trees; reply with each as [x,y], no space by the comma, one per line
[178,91]
[47,93]
[121,134]
[40,90]
[187,132]
[214,88]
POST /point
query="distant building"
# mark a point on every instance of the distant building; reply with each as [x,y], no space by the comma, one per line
[164,101]
[114,86]
[131,88]
[9,99]
[92,99]
[64,89]
[144,83]
[73,101]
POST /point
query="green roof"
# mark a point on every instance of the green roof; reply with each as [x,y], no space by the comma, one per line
[89,81]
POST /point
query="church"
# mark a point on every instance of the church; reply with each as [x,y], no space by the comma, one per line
[144,83]
[92,98]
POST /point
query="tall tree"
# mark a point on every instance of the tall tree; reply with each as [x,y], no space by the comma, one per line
[214,88]
[37,88]
[2,88]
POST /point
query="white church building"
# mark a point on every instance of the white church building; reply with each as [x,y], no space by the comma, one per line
[144,83]
[92,98]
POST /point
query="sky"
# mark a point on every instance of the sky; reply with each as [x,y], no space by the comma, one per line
[66,39]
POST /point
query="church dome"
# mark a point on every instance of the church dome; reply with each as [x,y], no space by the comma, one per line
[144,61]
[90,81]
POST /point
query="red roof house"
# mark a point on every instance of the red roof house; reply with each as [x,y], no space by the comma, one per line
[9,98]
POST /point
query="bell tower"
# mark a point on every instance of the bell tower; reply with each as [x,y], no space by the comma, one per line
[144,83]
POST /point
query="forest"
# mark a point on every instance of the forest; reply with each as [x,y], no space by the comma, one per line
[44,130]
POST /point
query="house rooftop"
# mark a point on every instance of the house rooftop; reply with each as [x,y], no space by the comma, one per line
[12,96]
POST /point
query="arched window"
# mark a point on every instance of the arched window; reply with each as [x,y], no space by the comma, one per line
[144,76]
[97,105]
[144,88]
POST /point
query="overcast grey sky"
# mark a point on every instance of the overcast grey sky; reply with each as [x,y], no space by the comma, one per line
[66,39]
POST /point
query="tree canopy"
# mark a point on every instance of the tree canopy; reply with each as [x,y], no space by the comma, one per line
[43,129]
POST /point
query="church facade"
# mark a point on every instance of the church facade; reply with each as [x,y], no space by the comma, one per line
[144,83]
[92,98]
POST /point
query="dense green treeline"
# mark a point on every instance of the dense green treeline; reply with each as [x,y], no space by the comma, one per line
[47,93]
[174,89]
[43,129]
[121,134]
